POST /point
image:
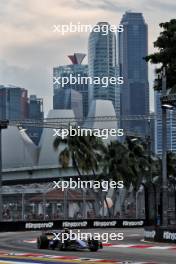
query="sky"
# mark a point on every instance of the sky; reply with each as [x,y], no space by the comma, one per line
[29,49]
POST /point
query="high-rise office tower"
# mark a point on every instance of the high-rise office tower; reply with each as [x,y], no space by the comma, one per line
[13,102]
[78,70]
[15,105]
[35,112]
[171,127]
[66,98]
[132,48]
[102,63]
[35,107]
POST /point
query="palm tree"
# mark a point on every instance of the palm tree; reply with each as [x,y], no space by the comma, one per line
[116,166]
[139,160]
[83,151]
[148,168]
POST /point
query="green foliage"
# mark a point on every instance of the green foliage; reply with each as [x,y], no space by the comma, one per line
[171,164]
[166,54]
[115,163]
[138,153]
[82,151]
[128,161]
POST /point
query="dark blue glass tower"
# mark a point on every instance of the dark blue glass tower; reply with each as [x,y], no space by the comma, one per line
[132,48]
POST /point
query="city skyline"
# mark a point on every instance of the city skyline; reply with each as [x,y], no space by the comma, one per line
[29,48]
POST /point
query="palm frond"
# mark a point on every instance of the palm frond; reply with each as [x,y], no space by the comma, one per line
[64,158]
[57,141]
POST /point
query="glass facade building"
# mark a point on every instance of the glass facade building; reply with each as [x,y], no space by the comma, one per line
[15,105]
[171,127]
[66,98]
[102,63]
[35,107]
[76,69]
[132,48]
[13,102]
[35,111]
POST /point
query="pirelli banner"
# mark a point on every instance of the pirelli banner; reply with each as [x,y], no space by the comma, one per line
[72,224]
[160,234]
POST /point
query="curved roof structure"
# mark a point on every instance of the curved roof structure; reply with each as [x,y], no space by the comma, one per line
[98,109]
[47,154]
[18,150]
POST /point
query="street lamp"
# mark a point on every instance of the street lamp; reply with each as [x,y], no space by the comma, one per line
[167,106]
[168,102]
[3,125]
[164,107]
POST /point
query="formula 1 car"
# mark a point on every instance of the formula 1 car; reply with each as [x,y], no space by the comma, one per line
[47,240]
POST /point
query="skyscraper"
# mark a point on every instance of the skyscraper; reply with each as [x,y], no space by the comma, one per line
[66,98]
[75,69]
[35,112]
[13,102]
[171,127]
[132,48]
[102,63]
[35,107]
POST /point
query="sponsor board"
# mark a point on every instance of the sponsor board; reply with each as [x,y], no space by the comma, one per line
[168,235]
[149,234]
[59,224]
[69,224]
[39,225]
[133,223]
[160,234]
[104,223]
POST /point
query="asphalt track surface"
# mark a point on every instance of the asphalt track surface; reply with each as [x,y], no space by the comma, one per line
[131,250]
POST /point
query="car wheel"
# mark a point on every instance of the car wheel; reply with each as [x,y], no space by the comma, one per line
[93,245]
[60,246]
[42,242]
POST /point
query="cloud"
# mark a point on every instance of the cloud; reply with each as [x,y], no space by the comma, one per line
[29,49]
[37,80]
[165,5]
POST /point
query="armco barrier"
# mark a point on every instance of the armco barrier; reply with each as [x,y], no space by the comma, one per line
[160,234]
[59,224]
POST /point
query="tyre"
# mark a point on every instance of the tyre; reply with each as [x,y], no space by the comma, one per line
[60,246]
[93,245]
[42,242]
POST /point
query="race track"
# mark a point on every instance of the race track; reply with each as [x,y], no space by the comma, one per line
[20,247]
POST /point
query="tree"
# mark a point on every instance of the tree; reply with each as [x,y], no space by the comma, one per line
[116,161]
[171,172]
[166,54]
[84,152]
[138,153]
[171,164]
[114,166]
[165,57]
[117,164]
[125,161]
[146,166]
